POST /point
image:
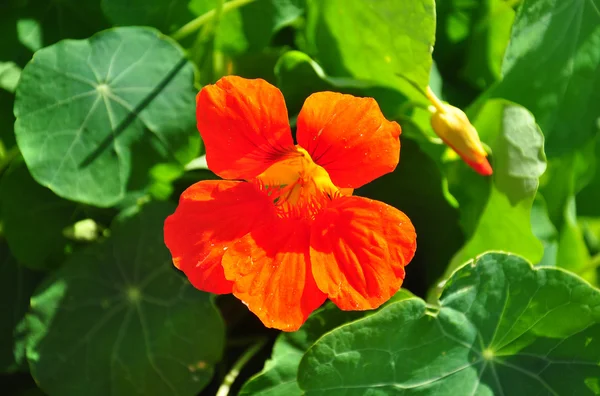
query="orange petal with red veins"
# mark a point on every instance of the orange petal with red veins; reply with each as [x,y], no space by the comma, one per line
[244,126]
[270,268]
[349,137]
[358,250]
[210,216]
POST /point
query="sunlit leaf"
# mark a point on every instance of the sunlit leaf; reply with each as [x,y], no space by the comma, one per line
[400,39]
[501,328]
[501,218]
[278,377]
[551,67]
[91,113]
[117,319]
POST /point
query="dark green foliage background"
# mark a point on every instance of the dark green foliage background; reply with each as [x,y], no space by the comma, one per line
[98,139]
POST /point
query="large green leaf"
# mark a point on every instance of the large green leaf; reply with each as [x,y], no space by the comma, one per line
[501,218]
[552,66]
[399,40]
[501,328]
[33,219]
[298,76]
[16,286]
[91,112]
[278,377]
[117,319]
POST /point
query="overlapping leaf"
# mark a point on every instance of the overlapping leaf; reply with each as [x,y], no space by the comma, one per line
[501,328]
[497,216]
[117,319]
[92,112]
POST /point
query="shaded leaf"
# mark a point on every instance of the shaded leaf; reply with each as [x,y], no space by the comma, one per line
[118,319]
[33,219]
[91,113]
[16,286]
[502,327]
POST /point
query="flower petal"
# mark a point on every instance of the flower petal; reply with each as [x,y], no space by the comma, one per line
[358,250]
[244,125]
[270,268]
[210,216]
[349,137]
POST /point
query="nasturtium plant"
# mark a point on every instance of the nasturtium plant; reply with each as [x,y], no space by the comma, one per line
[501,327]
[117,319]
[158,155]
[112,100]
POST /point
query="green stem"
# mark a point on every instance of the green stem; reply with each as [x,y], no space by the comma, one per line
[197,23]
[237,367]
[8,158]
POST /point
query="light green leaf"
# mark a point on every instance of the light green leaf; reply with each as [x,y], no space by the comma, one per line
[501,218]
[400,39]
[552,66]
[92,112]
[278,377]
[16,286]
[117,319]
[502,328]
[33,219]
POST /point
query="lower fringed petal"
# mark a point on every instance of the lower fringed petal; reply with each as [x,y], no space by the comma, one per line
[358,250]
[212,215]
[271,274]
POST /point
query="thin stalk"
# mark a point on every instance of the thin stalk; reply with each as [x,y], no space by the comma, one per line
[197,23]
[237,367]
[435,101]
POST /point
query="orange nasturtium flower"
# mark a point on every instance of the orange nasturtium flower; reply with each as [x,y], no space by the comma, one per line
[284,232]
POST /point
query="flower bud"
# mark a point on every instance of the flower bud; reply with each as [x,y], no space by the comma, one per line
[452,125]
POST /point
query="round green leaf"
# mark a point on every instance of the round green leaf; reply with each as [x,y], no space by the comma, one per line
[117,319]
[91,112]
[502,328]
[33,219]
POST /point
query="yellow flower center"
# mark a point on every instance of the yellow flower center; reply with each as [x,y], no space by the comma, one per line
[299,187]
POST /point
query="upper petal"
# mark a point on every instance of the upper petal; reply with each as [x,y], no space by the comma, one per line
[244,125]
[349,137]
[210,216]
[358,250]
[270,268]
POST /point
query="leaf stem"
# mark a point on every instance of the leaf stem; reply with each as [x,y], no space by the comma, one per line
[198,22]
[237,367]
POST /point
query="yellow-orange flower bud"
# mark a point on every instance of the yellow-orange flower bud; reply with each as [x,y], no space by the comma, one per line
[452,125]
